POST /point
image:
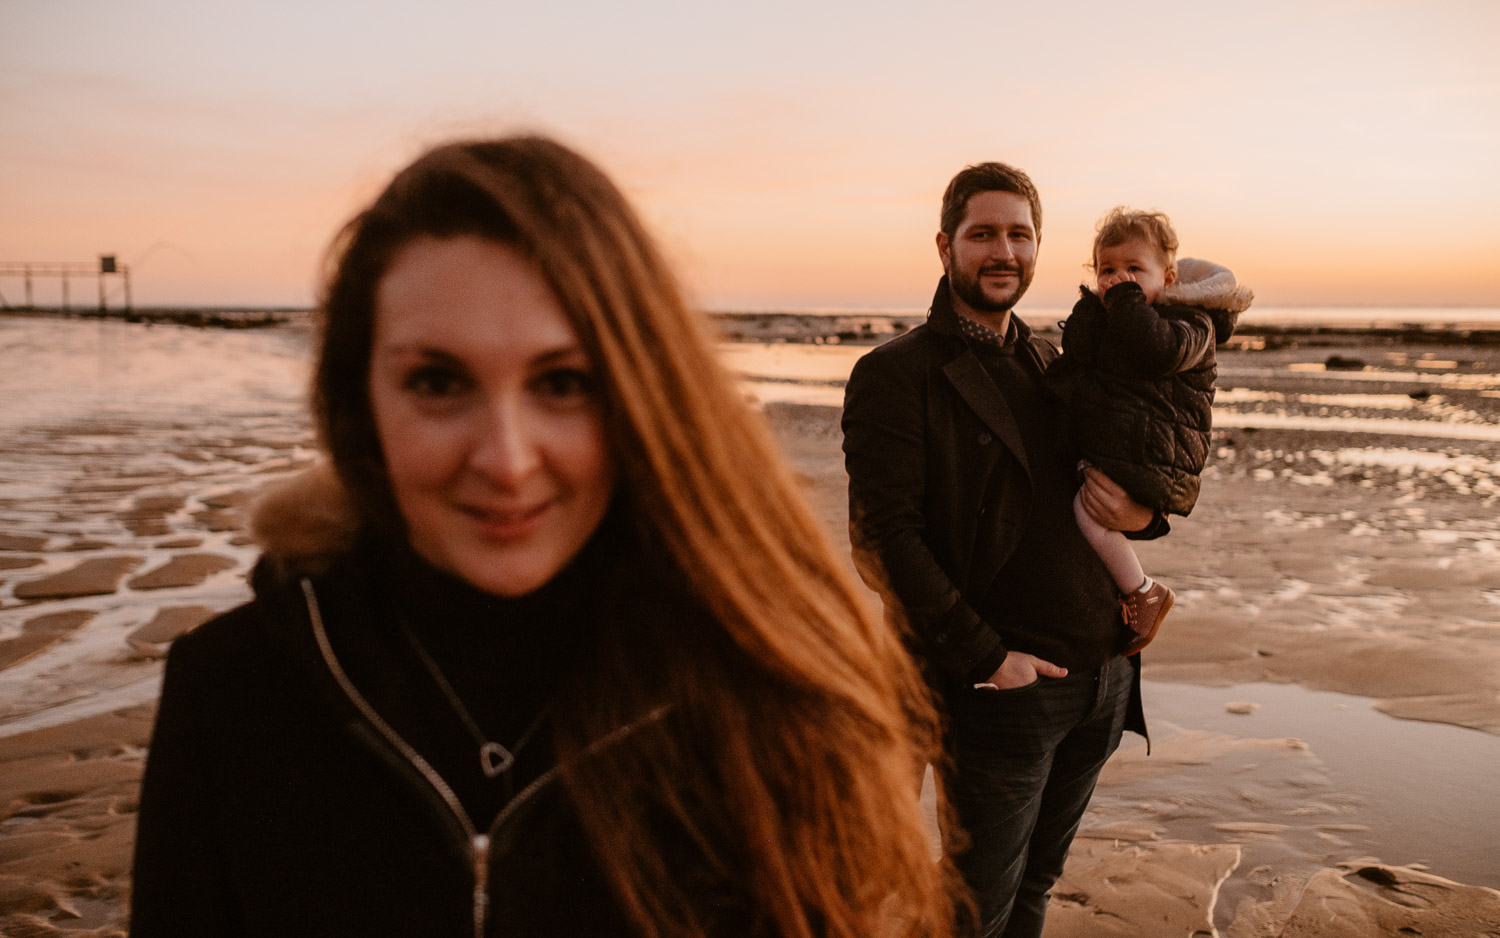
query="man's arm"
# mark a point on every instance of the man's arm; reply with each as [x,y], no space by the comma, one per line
[1111,506]
[885,453]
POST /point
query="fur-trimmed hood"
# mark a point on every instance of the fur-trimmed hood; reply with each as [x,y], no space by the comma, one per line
[1207,285]
[304,522]
[1211,288]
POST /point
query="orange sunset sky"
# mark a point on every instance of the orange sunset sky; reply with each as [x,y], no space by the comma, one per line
[788,154]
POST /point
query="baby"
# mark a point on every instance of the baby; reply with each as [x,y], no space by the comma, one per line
[1137,377]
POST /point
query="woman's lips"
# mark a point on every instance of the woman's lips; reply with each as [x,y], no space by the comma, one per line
[507,523]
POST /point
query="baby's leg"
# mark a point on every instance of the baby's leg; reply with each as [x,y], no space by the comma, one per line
[1113,548]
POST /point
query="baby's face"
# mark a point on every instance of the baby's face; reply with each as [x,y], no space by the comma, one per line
[1133,260]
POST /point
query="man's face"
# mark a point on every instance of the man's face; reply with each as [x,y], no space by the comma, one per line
[992,256]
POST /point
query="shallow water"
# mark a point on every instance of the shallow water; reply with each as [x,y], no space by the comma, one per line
[62,370]
[1440,405]
[123,441]
[85,404]
[1410,779]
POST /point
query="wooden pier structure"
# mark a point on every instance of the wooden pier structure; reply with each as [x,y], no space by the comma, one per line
[67,270]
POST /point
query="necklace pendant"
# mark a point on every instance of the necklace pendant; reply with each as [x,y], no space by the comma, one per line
[495,759]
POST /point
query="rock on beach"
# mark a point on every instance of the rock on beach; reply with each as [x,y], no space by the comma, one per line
[94,577]
[182,570]
[1112,890]
[1364,899]
[41,633]
[170,623]
[148,516]
[23,542]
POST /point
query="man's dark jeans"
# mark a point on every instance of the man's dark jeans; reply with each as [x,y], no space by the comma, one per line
[1024,765]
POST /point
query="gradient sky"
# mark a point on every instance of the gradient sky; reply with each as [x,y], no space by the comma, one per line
[788,154]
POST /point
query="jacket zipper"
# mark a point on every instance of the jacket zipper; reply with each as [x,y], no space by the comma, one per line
[479,854]
[478,844]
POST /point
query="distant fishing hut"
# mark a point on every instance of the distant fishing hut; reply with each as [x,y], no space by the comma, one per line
[108,266]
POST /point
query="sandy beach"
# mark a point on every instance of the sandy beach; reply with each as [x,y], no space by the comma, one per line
[1291,584]
[1324,699]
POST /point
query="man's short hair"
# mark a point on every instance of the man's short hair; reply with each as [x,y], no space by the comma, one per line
[986,177]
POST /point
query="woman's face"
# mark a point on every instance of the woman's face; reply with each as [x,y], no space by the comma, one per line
[488,413]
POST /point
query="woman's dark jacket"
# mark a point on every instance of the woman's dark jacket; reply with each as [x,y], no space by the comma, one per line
[275,802]
[1138,380]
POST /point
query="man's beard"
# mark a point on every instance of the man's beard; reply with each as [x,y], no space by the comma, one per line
[969,290]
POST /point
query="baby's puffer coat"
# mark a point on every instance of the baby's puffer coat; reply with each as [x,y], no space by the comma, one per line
[1138,380]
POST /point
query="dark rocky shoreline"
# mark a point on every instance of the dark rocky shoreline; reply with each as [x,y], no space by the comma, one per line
[850,328]
[203,318]
[874,328]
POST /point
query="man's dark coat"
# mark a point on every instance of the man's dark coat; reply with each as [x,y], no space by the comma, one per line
[939,486]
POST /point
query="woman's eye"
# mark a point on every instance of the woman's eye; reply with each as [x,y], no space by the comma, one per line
[566,383]
[434,382]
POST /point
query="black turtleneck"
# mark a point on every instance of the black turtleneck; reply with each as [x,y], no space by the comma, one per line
[506,660]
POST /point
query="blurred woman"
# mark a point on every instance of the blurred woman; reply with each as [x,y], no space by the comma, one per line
[555,648]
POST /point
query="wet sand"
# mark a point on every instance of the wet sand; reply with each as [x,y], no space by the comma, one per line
[1324,700]
[1381,584]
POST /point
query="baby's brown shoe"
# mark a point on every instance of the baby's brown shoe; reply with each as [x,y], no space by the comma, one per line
[1143,613]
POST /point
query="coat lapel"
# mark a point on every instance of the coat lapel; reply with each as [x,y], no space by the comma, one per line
[979,391]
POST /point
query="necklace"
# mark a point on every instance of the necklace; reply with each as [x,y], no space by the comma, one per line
[494,759]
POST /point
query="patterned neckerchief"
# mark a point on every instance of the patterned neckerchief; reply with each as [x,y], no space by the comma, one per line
[985,335]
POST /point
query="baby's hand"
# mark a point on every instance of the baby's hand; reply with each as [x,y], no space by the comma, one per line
[1110,279]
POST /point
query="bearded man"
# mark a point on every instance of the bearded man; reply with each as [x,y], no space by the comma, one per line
[961,488]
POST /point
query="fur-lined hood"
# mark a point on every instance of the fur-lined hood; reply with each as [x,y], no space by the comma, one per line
[304,522]
[1208,285]
[1211,288]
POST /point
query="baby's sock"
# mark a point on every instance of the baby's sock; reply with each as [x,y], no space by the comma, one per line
[1145,586]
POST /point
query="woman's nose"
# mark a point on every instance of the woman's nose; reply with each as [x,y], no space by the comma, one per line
[507,449]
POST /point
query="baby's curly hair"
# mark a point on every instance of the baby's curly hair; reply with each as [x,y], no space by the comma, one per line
[1122,224]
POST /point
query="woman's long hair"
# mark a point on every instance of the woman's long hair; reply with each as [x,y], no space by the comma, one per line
[787,760]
